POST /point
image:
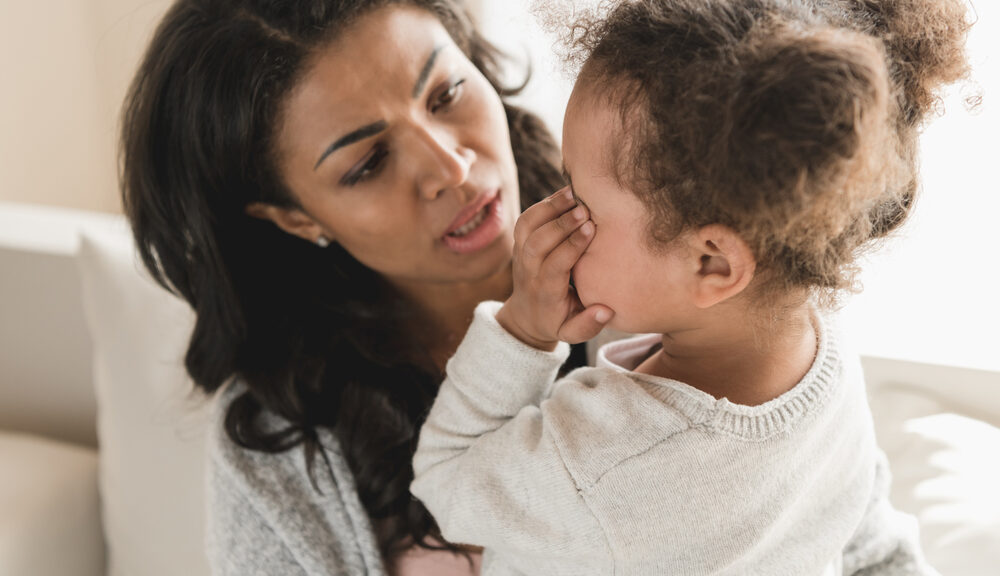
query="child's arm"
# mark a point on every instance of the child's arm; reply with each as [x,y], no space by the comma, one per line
[887,542]
[486,466]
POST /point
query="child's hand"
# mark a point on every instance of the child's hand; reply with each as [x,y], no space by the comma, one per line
[549,238]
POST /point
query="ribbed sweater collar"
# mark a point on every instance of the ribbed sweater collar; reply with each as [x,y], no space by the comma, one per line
[749,422]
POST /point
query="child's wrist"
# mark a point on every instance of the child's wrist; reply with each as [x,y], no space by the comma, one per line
[507,321]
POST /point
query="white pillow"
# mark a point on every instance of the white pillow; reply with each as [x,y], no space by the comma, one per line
[50,522]
[150,423]
[936,425]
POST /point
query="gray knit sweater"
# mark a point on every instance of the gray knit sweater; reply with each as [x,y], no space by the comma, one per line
[264,516]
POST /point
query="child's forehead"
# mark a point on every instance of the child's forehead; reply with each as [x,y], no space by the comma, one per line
[589,112]
[595,137]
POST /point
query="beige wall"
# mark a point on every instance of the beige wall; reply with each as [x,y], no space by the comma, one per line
[65,66]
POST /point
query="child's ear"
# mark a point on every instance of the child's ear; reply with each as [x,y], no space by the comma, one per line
[292,220]
[725,264]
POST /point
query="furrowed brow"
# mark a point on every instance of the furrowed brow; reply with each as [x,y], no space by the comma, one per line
[359,134]
[425,72]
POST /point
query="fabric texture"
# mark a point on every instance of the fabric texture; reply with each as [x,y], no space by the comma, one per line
[608,471]
[265,516]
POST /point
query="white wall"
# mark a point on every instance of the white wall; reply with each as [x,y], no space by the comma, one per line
[510,25]
[931,294]
[65,68]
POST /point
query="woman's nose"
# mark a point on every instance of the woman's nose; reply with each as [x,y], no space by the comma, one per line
[446,163]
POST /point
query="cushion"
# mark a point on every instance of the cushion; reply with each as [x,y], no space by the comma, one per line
[50,524]
[939,428]
[150,422]
[41,318]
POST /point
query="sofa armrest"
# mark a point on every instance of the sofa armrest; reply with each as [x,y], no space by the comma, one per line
[51,522]
[940,427]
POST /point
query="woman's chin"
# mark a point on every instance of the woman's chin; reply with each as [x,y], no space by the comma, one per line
[488,263]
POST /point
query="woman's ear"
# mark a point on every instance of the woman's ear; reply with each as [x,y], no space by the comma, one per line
[292,220]
[725,265]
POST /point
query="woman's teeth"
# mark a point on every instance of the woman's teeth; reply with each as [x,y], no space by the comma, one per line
[470,225]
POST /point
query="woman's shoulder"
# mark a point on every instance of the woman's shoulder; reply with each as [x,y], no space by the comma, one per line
[311,506]
[262,472]
[226,454]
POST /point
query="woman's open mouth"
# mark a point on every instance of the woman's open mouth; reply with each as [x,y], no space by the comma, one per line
[471,225]
[479,230]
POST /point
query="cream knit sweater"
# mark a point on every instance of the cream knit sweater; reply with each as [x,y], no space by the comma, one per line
[611,472]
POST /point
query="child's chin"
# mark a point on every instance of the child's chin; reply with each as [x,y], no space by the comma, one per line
[621,325]
[630,325]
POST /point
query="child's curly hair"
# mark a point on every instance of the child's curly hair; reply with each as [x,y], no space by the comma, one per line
[794,122]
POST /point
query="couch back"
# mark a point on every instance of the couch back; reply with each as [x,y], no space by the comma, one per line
[91,352]
[46,381]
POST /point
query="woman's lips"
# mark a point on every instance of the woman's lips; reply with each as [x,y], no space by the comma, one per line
[481,235]
[470,211]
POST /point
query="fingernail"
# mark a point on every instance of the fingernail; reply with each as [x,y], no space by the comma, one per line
[602,316]
[578,213]
[568,194]
[587,228]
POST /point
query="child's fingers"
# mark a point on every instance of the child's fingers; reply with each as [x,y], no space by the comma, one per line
[540,213]
[555,271]
[549,236]
[586,324]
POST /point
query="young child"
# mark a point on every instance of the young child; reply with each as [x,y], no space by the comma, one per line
[727,161]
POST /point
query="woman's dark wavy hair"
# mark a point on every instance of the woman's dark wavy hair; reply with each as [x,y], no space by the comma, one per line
[272,310]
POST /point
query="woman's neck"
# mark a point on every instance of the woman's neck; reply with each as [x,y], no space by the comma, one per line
[445,310]
[733,356]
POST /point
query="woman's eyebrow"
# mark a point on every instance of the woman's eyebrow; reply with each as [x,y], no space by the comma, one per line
[376,127]
[359,134]
[425,72]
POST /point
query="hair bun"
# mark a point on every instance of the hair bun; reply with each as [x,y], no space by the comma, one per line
[808,104]
[925,43]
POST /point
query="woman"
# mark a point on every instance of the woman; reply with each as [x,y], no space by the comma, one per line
[332,186]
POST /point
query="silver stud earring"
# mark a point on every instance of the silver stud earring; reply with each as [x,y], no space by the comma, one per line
[322,242]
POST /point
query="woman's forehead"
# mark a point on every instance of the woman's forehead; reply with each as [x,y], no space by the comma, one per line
[390,46]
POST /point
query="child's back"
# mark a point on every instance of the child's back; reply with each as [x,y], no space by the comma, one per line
[777,488]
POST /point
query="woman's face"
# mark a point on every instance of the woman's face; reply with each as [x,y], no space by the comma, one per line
[398,149]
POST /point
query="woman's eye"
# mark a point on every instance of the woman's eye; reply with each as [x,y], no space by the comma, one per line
[449,96]
[368,168]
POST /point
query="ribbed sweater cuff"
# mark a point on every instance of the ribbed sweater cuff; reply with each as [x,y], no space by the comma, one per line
[501,372]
